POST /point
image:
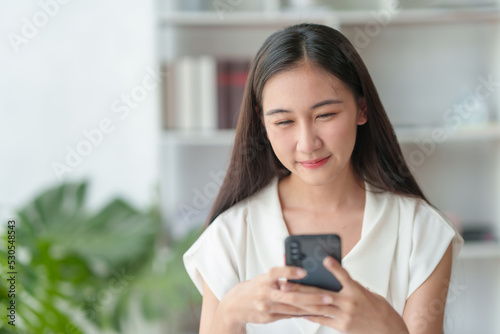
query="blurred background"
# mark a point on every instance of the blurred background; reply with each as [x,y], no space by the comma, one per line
[117,121]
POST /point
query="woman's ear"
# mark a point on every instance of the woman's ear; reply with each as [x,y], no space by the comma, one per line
[362,111]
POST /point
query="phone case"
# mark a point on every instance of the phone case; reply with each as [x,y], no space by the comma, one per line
[308,252]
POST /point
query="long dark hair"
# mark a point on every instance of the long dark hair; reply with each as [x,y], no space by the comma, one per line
[376,158]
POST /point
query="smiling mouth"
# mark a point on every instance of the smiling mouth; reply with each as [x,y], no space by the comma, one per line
[315,163]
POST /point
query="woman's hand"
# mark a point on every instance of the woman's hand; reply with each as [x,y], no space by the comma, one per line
[260,300]
[353,309]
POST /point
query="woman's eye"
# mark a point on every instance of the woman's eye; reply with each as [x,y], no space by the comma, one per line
[284,122]
[323,116]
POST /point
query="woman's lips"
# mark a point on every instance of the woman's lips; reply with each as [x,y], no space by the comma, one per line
[315,163]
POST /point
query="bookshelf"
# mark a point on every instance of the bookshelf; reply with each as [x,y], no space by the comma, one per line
[405,135]
[423,61]
[335,18]
[250,19]
[223,138]
[480,251]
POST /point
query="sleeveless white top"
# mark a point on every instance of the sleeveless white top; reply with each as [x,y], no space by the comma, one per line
[402,241]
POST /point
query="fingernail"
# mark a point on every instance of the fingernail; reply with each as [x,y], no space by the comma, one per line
[301,272]
[328,261]
[327,299]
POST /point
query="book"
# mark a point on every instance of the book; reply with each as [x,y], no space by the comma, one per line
[223,98]
[186,111]
[203,93]
[208,93]
[168,95]
[231,79]
[238,76]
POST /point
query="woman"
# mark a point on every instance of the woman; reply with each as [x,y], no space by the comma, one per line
[315,153]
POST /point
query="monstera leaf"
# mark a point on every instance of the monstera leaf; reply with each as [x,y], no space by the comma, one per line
[80,270]
[70,261]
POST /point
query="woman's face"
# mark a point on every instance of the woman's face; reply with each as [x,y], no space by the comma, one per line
[311,119]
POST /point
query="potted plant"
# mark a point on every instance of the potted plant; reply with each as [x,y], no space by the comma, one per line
[80,271]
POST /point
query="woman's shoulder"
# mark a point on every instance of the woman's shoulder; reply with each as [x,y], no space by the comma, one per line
[237,215]
[422,211]
[423,225]
[230,227]
[426,218]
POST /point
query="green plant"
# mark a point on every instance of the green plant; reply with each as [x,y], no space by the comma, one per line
[78,269]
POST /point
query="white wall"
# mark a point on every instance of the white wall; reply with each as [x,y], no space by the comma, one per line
[64,70]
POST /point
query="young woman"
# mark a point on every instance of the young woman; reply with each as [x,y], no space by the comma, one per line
[315,153]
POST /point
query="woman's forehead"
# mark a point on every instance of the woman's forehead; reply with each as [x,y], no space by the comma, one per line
[301,83]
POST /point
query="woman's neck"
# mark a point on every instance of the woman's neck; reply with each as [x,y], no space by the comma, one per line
[346,191]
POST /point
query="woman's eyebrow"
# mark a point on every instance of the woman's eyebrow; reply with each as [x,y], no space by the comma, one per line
[276,111]
[326,102]
[317,105]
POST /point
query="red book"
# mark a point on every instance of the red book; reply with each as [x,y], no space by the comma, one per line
[223,94]
[231,79]
[238,74]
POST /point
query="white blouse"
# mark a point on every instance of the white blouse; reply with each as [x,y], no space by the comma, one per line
[402,241]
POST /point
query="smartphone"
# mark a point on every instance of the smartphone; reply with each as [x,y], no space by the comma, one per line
[308,251]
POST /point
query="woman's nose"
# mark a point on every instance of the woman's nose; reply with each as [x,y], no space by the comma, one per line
[307,139]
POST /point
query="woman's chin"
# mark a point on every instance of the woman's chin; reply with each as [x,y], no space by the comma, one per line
[316,179]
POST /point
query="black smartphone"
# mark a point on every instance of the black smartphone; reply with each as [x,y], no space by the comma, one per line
[308,251]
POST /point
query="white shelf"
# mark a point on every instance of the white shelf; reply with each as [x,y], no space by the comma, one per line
[490,131]
[341,17]
[480,250]
[244,19]
[405,135]
[199,137]
[431,15]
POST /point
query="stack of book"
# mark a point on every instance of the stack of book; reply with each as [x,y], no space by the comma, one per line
[478,232]
[203,93]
